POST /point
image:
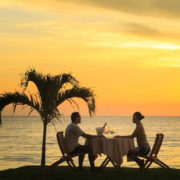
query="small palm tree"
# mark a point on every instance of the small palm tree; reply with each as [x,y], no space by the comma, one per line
[52,91]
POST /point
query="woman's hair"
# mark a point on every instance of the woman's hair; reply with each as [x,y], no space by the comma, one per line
[138,115]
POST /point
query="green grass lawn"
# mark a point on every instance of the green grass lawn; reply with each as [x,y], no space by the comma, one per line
[64,173]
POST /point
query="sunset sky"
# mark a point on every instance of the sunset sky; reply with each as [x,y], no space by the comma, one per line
[128,52]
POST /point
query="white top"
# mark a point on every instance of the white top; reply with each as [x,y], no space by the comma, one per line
[72,134]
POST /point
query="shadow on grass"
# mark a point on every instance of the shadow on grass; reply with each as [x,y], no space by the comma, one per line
[64,173]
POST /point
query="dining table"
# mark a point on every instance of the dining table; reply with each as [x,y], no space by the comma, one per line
[113,148]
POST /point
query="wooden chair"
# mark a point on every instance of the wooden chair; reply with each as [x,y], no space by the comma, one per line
[152,156]
[66,157]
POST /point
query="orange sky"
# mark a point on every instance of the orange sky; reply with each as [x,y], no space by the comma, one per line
[129,53]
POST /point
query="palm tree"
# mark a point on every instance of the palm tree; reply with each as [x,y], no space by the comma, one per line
[51,92]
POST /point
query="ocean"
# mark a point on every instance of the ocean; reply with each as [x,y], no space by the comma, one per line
[21,138]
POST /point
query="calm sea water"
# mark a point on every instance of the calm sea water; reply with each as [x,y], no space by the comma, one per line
[21,138]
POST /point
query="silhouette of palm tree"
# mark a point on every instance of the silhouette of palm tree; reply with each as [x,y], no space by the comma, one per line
[52,91]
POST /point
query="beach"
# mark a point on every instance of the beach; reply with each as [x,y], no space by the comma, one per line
[21,138]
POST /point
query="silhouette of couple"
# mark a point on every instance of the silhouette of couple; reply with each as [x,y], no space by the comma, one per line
[73,132]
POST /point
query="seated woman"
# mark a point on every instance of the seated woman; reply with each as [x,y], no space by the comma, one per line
[143,145]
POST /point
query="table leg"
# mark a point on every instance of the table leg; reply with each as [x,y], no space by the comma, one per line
[106,161]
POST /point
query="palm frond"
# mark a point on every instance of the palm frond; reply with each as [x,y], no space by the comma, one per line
[48,86]
[80,92]
[47,81]
[67,78]
[72,102]
[18,98]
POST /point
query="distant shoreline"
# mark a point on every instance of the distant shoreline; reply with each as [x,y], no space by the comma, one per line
[88,116]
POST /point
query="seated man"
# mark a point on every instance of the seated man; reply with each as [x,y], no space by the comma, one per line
[72,134]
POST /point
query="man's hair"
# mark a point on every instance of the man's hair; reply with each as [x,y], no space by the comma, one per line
[74,115]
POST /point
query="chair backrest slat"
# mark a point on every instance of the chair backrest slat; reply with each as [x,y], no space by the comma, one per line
[157,144]
[61,142]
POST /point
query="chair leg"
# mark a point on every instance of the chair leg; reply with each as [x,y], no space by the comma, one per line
[163,165]
[58,162]
[70,163]
[158,163]
[147,164]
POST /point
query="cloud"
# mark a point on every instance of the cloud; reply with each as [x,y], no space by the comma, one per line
[139,44]
[141,7]
[91,18]
[140,29]
[158,8]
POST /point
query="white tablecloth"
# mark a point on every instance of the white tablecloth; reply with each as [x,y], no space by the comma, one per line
[115,148]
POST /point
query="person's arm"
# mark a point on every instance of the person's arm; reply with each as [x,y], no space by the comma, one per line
[134,134]
[122,136]
[90,136]
[79,132]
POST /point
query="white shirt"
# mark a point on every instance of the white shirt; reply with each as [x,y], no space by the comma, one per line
[72,134]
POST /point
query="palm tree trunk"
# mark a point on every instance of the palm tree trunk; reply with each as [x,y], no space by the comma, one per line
[43,157]
[0,118]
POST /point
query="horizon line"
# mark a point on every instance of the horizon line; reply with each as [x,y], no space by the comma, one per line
[97,116]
